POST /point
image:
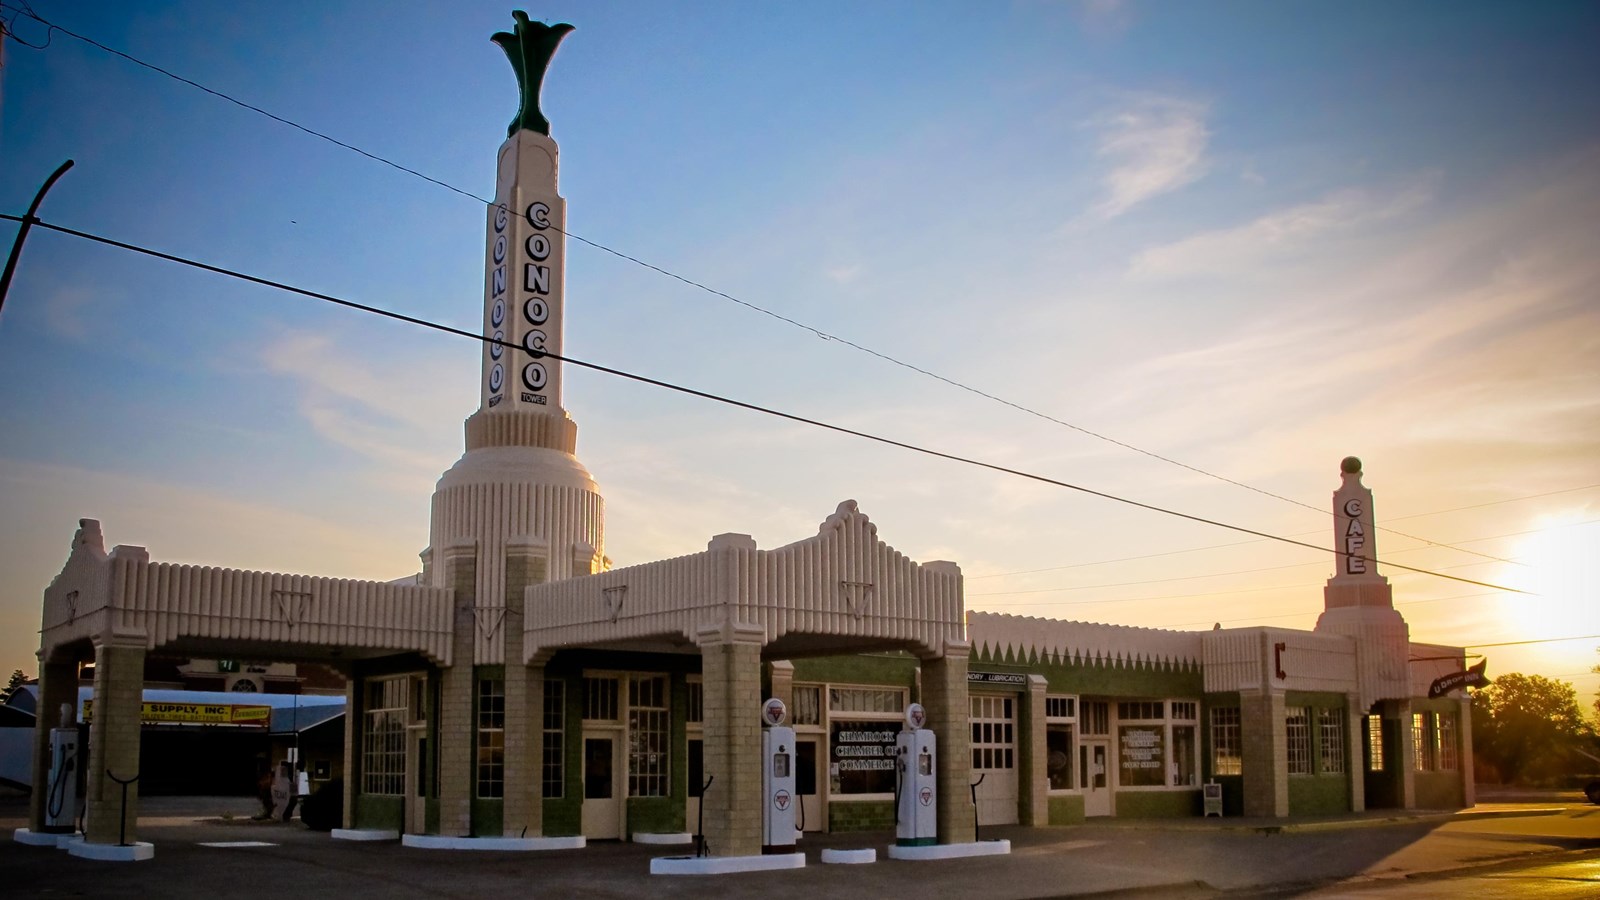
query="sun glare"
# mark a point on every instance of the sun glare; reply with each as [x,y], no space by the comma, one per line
[1564,570]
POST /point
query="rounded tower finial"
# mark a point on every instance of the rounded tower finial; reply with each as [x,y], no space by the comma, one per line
[1351,465]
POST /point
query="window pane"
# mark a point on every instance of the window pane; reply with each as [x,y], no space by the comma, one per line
[1297,732]
[1330,745]
[1058,756]
[1226,749]
[1182,767]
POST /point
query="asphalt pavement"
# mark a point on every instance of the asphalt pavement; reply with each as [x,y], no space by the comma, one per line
[1362,855]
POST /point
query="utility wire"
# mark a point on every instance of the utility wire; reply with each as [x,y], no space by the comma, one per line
[1085,587]
[1440,512]
[1437,512]
[739,403]
[817,332]
[1554,640]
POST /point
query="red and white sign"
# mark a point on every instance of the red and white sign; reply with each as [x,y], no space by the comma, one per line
[780,800]
[773,712]
[926,796]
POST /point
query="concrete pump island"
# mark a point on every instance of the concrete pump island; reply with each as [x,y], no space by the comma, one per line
[523,694]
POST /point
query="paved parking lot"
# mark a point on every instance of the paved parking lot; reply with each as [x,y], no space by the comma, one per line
[1191,858]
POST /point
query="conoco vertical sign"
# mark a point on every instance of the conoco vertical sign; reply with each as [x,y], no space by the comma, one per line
[524,284]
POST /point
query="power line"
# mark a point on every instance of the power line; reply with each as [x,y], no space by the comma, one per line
[1437,512]
[1084,587]
[1554,640]
[1298,615]
[1440,512]
[817,332]
[926,451]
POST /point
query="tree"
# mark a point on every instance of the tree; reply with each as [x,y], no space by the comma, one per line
[1526,726]
[17,680]
[1596,670]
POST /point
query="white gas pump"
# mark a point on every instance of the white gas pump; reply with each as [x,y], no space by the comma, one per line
[61,797]
[917,789]
[777,780]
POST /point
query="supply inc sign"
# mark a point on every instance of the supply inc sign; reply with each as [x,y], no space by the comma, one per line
[196,714]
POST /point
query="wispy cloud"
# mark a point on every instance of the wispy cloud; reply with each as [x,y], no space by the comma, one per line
[1104,18]
[1155,144]
[1229,251]
[69,312]
[1466,340]
[345,401]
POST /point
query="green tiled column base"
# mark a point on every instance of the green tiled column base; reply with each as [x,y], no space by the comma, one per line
[864,815]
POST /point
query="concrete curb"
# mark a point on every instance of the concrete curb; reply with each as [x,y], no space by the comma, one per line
[1291,827]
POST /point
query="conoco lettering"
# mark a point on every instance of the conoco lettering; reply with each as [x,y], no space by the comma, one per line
[536,278]
[538,246]
[536,311]
[538,215]
[533,342]
[534,376]
[501,219]
[500,249]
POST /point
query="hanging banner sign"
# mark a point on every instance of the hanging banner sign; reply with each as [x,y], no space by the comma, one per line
[1472,677]
[1014,678]
[196,714]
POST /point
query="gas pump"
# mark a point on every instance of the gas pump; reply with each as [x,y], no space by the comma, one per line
[777,780]
[61,799]
[917,789]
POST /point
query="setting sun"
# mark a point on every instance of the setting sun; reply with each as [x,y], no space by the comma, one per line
[1564,571]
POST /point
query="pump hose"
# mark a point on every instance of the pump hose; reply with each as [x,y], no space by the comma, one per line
[899,783]
[57,797]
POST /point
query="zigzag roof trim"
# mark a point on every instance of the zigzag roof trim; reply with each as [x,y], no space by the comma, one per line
[1030,636]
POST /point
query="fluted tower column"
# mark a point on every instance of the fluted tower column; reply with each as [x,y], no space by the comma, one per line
[519,480]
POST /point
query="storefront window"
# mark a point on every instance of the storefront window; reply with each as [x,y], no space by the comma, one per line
[1058,757]
[863,756]
[1297,735]
[555,713]
[807,705]
[1421,747]
[1447,742]
[1061,721]
[1374,743]
[1330,730]
[1182,771]
[491,737]
[383,751]
[1141,750]
[1226,747]
[866,700]
[647,736]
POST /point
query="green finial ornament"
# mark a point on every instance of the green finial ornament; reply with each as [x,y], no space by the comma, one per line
[529,46]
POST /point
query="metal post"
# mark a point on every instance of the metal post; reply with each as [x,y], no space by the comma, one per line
[973,787]
[122,834]
[700,823]
[22,233]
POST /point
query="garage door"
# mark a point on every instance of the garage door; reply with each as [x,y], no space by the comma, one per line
[994,757]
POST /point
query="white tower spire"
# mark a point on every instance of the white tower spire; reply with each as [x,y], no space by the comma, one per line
[520,487]
[1358,602]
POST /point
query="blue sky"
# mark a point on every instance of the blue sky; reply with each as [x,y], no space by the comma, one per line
[1251,237]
